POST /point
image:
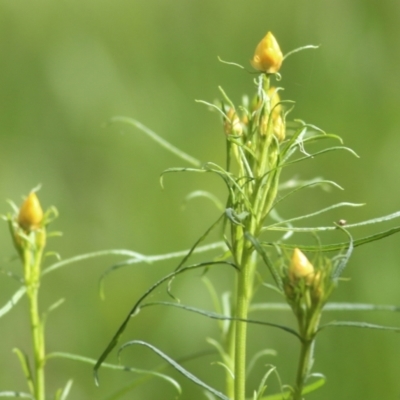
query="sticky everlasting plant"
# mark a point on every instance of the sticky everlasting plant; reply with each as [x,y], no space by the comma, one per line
[261,141]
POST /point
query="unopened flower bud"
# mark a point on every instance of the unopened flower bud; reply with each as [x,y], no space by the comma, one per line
[232,125]
[268,56]
[278,123]
[30,214]
[300,267]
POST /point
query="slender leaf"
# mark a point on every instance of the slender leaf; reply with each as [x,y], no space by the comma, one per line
[26,368]
[342,262]
[214,315]
[266,259]
[306,185]
[92,361]
[207,195]
[17,394]
[135,308]
[335,246]
[159,257]
[356,324]
[162,142]
[65,392]
[257,356]
[87,256]
[307,389]
[177,366]
[310,46]
[324,210]
[15,298]
[327,307]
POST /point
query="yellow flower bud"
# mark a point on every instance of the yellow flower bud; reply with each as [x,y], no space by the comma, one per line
[232,125]
[278,124]
[300,267]
[268,56]
[30,214]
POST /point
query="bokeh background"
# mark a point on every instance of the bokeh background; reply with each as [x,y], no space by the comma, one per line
[67,67]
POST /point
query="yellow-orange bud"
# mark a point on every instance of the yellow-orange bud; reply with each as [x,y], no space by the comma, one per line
[268,56]
[232,125]
[30,214]
[278,124]
[300,267]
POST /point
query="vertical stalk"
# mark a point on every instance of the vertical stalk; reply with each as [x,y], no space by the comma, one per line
[32,263]
[244,294]
[305,361]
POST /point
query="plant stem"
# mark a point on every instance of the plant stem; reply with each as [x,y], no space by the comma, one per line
[32,281]
[244,295]
[305,361]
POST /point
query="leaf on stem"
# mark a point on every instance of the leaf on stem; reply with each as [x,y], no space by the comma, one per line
[26,368]
[177,366]
[158,139]
[13,301]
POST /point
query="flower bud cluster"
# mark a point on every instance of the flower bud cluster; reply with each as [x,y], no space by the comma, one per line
[262,124]
[305,286]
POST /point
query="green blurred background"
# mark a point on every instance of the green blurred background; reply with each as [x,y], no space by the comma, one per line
[66,67]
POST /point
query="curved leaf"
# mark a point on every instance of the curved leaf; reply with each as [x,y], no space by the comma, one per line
[313,214]
[135,308]
[162,142]
[92,361]
[26,368]
[87,256]
[13,301]
[214,315]
[159,257]
[356,324]
[177,366]
[334,246]
[266,259]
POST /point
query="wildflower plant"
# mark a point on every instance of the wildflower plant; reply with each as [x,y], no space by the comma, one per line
[261,141]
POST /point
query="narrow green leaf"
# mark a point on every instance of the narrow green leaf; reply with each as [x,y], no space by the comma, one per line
[13,301]
[310,46]
[343,260]
[313,214]
[144,378]
[214,315]
[92,361]
[17,394]
[24,361]
[162,142]
[65,392]
[87,256]
[266,259]
[159,257]
[207,195]
[177,366]
[334,246]
[135,309]
[327,307]
[359,307]
[306,185]
[307,389]
[257,356]
[356,324]
[329,149]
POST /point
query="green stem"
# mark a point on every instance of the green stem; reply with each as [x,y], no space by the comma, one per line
[32,281]
[244,295]
[303,370]
[308,326]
